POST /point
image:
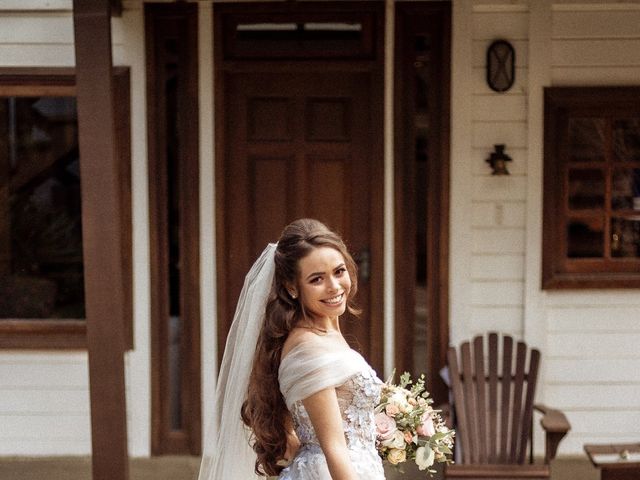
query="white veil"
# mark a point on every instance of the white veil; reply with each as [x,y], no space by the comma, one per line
[226,453]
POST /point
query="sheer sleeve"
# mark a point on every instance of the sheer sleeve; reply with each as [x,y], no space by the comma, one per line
[310,367]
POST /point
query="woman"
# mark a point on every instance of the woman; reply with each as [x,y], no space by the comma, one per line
[309,396]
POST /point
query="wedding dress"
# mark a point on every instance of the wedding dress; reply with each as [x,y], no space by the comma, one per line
[308,368]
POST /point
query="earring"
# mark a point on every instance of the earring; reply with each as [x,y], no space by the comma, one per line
[294,295]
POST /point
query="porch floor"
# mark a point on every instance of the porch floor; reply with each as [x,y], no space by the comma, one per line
[186,468]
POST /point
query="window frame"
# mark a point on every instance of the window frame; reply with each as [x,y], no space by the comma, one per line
[71,334]
[558,271]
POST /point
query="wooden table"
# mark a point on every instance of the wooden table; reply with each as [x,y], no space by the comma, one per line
[616,461]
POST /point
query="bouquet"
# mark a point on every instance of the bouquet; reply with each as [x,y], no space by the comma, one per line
[408,428]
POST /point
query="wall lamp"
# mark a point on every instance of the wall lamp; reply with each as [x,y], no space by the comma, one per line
[498,160]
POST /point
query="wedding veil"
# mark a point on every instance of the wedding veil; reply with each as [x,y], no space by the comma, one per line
[226,453]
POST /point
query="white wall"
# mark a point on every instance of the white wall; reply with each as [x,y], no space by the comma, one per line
[44,400]
[589,339]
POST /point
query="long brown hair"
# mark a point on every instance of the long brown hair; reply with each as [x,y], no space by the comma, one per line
[264,410]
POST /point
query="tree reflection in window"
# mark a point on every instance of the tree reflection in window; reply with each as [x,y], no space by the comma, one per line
[41,270]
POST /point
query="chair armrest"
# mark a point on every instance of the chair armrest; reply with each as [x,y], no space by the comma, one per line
[556,426]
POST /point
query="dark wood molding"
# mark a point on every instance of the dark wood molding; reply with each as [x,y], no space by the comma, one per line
[411,17]
[558,270]
[183,17]
[38,334]
[61,81]
[102,242]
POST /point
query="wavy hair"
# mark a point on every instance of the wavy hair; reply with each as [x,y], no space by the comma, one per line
[264,411]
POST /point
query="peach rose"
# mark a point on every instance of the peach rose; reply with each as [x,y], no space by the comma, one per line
[392,410]
[385,426]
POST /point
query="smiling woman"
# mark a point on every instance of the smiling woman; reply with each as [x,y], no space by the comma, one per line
[309,399]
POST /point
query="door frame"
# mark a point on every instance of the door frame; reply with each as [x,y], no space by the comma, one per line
[164,440]
[439,15]
[374,65]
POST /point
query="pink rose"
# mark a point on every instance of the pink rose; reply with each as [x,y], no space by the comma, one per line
[392,410]
[427,429]
[385,426]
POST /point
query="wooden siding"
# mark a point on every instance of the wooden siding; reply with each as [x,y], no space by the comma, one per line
[592,354]
[589,339]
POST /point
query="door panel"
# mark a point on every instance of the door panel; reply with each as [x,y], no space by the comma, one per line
[299,144]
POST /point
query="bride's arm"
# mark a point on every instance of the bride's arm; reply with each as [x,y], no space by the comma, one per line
[324,414]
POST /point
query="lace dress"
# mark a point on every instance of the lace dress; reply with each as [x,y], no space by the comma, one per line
[306,370]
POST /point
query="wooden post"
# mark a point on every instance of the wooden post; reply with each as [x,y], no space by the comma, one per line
[101,211]
[5,196]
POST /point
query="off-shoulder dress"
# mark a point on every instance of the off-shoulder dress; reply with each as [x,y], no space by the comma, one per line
[309,368]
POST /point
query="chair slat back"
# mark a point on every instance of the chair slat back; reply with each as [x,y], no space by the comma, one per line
[493,398]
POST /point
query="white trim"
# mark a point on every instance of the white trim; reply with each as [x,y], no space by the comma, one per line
[389,214]
[540,26]
[208,304]
[461,170]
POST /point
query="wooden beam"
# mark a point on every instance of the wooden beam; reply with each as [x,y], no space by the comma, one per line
[101,212]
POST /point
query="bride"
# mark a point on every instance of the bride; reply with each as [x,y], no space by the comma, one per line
[307,398]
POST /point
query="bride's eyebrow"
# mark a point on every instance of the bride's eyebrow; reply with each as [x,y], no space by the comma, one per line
[322,273]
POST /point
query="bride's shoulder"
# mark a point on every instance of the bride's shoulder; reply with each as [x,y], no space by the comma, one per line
[298,337]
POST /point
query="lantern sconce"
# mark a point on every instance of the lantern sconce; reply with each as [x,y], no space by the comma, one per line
[501,66]
[498,160]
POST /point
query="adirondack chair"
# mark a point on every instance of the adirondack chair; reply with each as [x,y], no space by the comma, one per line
[493,411]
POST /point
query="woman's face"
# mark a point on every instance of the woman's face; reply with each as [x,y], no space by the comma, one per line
[324,283]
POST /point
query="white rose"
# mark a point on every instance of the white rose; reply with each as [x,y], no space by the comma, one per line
[397,441]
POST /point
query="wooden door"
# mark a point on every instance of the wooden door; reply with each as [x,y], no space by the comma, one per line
[302,144]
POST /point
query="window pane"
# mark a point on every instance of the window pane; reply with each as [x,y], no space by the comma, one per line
[41,270]
[625,189]
[586,189]
[626,140]
[587,139]
[585,238]
[625,237]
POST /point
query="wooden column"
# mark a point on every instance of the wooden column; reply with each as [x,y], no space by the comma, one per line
[101,211]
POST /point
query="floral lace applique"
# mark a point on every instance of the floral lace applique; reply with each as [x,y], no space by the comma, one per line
[357,398]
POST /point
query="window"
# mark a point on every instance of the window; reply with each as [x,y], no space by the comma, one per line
[592,188]
[41,255]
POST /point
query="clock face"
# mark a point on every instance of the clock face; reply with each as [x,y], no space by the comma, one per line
[501,61]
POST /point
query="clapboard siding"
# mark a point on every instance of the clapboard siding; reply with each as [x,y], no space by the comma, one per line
[601,52]
[594,319]
[604,345]
[498,214]
[585,397]
[488,187]
[505,318]
[487,133]
[589,369]
[590,24]
[497,293]
[497,240]
[495,266]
